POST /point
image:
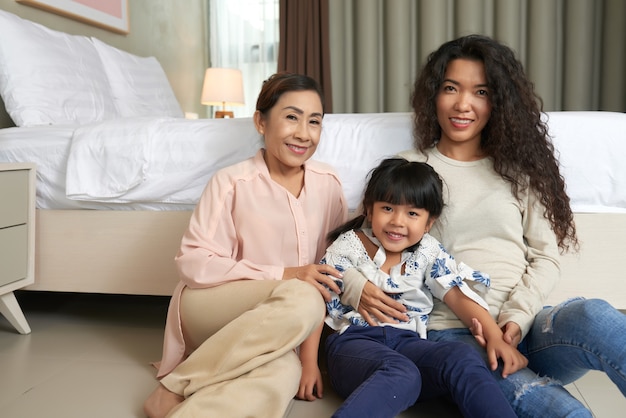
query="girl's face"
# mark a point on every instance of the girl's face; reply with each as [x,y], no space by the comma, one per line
[463,103]
[291,130]
[398,227]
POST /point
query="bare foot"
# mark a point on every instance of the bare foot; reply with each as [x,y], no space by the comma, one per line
[160,402]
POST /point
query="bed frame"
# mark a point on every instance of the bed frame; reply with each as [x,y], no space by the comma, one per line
[104,251]
[597,270]
[132,252]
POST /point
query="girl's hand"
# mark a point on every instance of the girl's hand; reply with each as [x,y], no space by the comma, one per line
[377,304]
[512,359]
[311,386]
[317,275]
[477,332]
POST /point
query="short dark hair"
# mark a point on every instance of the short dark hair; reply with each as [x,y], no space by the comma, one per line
[284,82]
[402,182]
[398,182]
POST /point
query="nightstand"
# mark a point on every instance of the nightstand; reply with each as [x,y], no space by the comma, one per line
[17,238]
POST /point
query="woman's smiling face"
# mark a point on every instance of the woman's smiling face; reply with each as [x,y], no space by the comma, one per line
[463,102]
[292,129]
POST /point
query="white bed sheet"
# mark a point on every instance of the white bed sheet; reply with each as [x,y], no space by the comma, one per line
[171,160]
[591,148]
[48,147]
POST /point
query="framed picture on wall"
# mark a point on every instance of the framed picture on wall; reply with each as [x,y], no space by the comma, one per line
[107,14]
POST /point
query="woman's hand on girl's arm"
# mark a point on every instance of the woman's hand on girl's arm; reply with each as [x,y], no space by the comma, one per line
[311,386]
[369,300]
[317,275]
[376,304]
[512,333]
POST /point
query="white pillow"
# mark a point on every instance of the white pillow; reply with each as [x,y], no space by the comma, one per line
[49,77]
[139,84]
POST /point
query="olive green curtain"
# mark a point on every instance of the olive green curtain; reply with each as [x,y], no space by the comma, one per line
[573,50]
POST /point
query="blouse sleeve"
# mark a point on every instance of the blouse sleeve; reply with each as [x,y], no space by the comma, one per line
[443,273]
[542,272]
[207,256]
[340,255]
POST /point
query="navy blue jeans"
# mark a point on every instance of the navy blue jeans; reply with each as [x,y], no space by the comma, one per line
[381,371]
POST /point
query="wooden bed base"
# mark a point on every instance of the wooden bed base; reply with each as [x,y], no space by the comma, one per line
[597,271]
[102,251]
[132,252]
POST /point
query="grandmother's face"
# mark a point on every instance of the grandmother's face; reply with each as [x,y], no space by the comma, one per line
[291,129]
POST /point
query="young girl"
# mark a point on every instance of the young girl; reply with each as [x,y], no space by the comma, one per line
[382,370]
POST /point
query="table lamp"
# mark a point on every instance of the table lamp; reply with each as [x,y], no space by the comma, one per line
[222,86]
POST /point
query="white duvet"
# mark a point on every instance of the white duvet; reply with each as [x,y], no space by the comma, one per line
[146,162]
[171,160]
[165,160]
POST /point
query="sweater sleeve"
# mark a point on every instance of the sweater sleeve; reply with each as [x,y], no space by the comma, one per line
[542,273]
[353,283]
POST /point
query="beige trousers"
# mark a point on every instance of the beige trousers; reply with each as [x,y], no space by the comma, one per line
[243,335]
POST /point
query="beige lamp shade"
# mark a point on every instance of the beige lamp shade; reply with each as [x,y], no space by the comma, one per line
[222,87]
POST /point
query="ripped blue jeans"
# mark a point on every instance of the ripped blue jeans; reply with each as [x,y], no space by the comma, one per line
[564,343]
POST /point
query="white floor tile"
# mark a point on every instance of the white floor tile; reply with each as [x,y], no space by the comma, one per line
[86,389]
[601,395]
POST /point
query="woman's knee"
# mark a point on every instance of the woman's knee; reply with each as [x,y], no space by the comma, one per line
[301,303]
[592,315]
[289,370]
[306,298]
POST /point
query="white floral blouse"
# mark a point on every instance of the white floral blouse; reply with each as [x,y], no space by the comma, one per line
[428,271]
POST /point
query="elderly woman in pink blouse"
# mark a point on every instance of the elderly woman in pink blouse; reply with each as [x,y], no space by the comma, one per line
[250,284]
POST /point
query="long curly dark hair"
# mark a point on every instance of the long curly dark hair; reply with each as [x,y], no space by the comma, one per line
[516,137]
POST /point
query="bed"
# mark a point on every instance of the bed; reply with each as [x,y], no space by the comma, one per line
[119,169]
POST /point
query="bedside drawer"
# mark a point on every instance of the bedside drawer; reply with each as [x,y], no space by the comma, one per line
[13,197]
[13,253]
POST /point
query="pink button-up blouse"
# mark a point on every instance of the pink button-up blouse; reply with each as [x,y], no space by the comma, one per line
[246,226]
